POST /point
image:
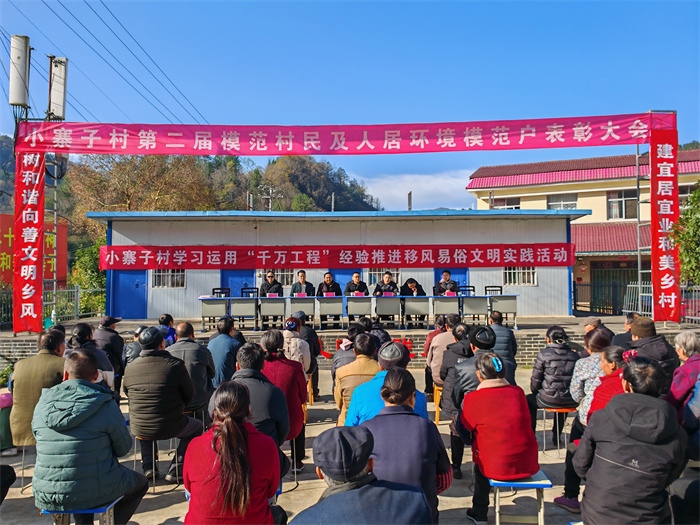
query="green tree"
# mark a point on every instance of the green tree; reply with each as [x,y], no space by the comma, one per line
[302,202]
[686,235]
[690,145]
[86,271]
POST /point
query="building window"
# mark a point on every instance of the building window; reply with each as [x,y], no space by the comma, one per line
[565,201]
[168,279]
[683,194]
[511,203]
[375,275]
[284,277]
[519,276]
[622,204]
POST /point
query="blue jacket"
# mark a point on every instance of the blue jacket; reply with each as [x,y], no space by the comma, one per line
[368,501]
[80,432]
[223,350]
[691,421]
[367,401]
[408,449]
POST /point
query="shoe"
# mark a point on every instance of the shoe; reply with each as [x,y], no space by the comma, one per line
[570,504]
[299,467]
[9,452]
[471,517]
[429,398]
[150,473]
[171,477]
[456,472]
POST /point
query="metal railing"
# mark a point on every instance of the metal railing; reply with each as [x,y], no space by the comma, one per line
[604,298]
[71,303]
[690,305]
[690,302]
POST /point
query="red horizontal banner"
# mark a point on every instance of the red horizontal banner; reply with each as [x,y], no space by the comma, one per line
[167,139]
[254,257]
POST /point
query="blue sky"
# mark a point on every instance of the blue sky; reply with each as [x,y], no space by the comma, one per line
[324,62]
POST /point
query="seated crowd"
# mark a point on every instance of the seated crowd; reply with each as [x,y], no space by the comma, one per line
[234,403]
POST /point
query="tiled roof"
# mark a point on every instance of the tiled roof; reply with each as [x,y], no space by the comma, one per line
[608,237]
[576,170]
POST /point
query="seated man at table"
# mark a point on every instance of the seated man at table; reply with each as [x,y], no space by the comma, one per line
[353,287]
[446,284]
[329,286]
[386,286]
[271,286]
[412,288]
[302,286]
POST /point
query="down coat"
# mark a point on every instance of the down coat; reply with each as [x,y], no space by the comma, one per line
[80,432]
[552,373]
[455,353]
[657,349]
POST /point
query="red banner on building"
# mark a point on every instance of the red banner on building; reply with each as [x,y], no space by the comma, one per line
[665,263]
[166,139]
[29,242]
[254,257]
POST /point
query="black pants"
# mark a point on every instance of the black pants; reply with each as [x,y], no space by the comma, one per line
[126,506]
[7,478]
[298,445]
[314,382]
[533,403]
[187,434]
[572,482]
[482,491]
[428,380]
[685,498]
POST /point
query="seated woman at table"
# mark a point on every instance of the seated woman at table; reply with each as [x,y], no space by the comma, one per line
[412,288]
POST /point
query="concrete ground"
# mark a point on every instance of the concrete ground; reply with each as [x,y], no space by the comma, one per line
[169,506]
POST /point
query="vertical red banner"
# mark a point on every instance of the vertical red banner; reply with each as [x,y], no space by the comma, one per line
[665,262]
[27,282]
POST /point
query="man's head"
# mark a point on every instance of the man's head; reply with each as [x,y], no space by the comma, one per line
[642,327]
[301,275]
[392,355]
[364,345]
[354,330]
[138,331]
[496,317]
[301,316]
[109,322]
[365,323]
[460,332]
[270,276]
[482,338]
[451,320]
[590,323]
[54,341]
[166,320]
[225,325]
[151,339]
[629,319]
[250,355]
[184,331]
[356,277]
[328,278]
[387,277]
[81,363]
[342,454]
[446,275]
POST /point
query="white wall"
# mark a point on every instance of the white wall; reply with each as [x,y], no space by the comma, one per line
[182,303]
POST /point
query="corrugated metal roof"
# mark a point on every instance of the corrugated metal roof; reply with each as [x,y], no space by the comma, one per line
[606,237]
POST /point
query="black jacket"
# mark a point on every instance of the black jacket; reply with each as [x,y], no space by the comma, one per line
[657,348]
[159,388]
[631,451]
[449,286]
[238,336]
[506,346]
[309,335]
[551,375]
[130,352]
[308,289]
[622,339]
[381,335]
[466,380]
[200,366]
[406,291]
[273,287]
[351,288]
[329,288]
[455,353]
[382,288]
[112,344]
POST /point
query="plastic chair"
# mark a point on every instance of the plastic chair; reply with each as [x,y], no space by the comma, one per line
[437,394]
[467,290]
[566,411]
[105,515]
[311,389]
[155,461]
[221,292]
[493,290]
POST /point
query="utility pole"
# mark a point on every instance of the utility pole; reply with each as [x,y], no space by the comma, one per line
[410,200]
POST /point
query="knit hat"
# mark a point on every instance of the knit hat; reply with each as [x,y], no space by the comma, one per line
[643,327]
[342,452]
[392,355]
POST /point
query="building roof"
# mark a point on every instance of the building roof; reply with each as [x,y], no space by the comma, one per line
[277,215]
[602,238]
[575,170]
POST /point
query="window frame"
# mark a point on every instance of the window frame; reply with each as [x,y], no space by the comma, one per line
[520,276]
[627,196]
[562,203]
[168,278]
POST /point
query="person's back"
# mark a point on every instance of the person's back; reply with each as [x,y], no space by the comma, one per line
[654,346]
[456,352]
[466,380]
[200,366]
[506,346]
[438,346]
[223,351]
[295,348]
[552,373]
[363,369]
[110,342]
[289,377]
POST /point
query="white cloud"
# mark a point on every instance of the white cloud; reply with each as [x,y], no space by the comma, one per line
[430,190]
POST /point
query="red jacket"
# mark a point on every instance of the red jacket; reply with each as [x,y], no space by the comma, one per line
[609,386]
[504,445]
[289,377]
[201,477]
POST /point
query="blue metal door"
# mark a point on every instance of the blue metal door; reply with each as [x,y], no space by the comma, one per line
[237,279]
[129,289]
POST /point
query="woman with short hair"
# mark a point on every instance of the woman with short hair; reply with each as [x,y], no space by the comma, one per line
[685,377]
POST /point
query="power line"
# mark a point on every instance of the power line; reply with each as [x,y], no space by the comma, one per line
[72,62]
[141,62]
[103,58]
[154,62]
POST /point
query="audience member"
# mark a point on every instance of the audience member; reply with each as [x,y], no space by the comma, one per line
[295,348]
[612,361]
[363,369]
[133,349]
[308,334]
[111,343]
[456,352]
[585,380]
[503,445]
[223,351]
[625,337]
[237,335]
[446,284]
[655,347]
[200,365]
[353,287]
[428,466]
[301,286]
[289,377]
[632,450]
[439,329]
[551,379]
[438,346]
[232,471]
[345,354]
[82,338]
[31,376]
[159,388]
[591,323]
[166,323]
[329,286]
[386,286]
[381,336]
[506,346]
[342,457]
[80,433]
[366,324]
[685,376]
[367,402]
